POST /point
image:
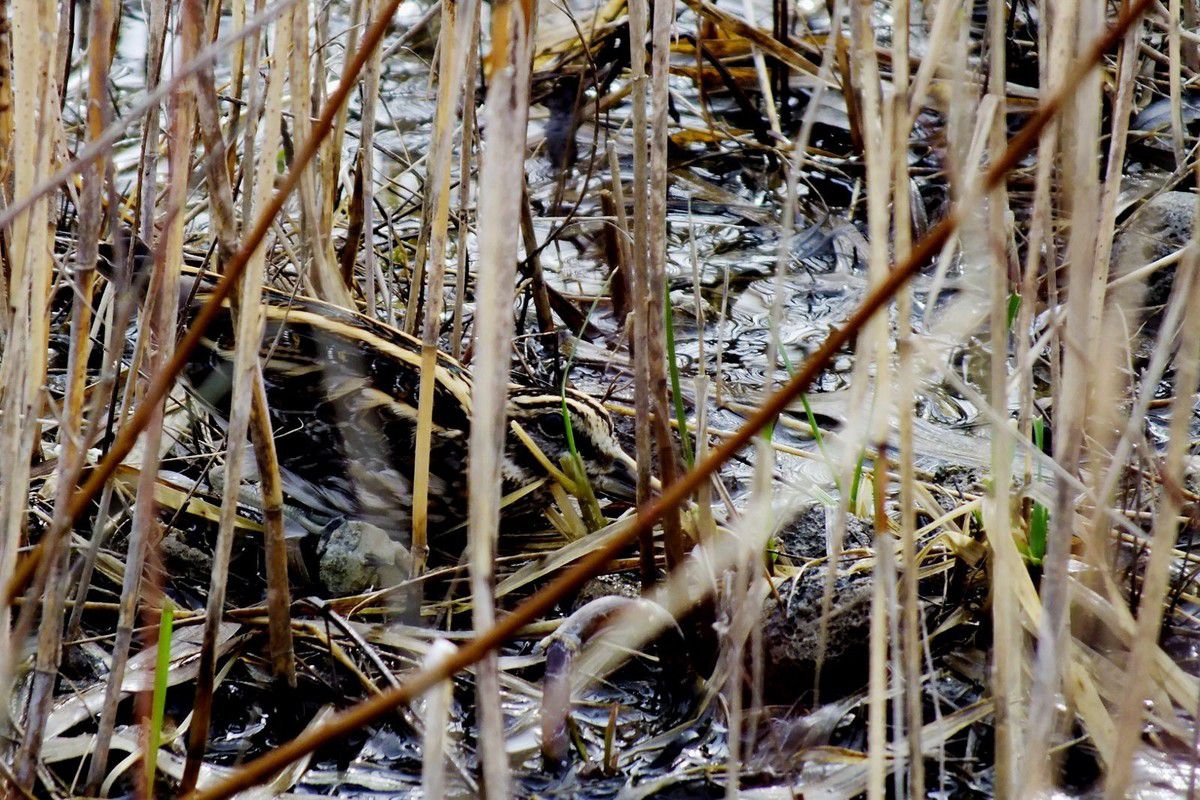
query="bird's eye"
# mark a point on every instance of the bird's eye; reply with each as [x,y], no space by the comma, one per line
[550,425]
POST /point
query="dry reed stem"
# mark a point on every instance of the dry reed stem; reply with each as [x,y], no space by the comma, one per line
[1174,83]
[371,271]
[738,616]
[743,603]
[455,46]
[484,642]
[121,308]
[655,272]
[437,720]
[643,443]
[466,143]
[1109,346]
[6,135]
[910,624]
[101,19]
[147,107]
[6,140]
[224,217]
[706,525]
[279,595]
[253,111]
[730,23]
[1111,189]
[1007,635]
[147,193]
[237,86]
[161,314]
[245,374]
[877,634]
[1040,250]
[531,267]
[331,156]
[437,207]
[315,237]
[262,437]
[872,349]
[1132,431]
[220,187]
[743,597]
[760,69]
[23,363]
[72,436]
[860,88]
[1079,163]
[1053,51]
[502,182]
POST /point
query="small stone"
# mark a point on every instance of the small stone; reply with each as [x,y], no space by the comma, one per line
[184,559]
[807,536]
[357,556]
[792,630]
[621,584]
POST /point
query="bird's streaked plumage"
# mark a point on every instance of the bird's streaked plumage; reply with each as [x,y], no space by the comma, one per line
[342,391]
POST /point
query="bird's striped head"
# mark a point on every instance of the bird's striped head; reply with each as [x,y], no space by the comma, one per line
[540,414]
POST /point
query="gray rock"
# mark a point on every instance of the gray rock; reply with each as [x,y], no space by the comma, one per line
[807,536]
[357,556]
[792,628]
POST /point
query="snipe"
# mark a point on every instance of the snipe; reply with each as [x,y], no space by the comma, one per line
[342,392]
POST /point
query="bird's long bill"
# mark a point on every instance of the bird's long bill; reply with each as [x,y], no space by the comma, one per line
[620,481]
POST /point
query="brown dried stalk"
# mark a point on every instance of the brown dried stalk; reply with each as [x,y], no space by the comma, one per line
[246,369]
[1155,583]
[464,195]
[6,117]
[502,178]
[641,364]
[246,375]
[455,44]
[23,363]
[72,436]
[95,150]
[655,272]
[161,313]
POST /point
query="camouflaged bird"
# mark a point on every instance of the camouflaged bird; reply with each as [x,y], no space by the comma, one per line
[342,392]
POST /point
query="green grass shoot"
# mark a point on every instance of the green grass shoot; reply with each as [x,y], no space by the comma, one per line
[673,369]
[162,666]
[1014,305]
[1039,517]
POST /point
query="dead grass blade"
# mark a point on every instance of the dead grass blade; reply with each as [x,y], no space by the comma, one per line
[455,46]
[502,178]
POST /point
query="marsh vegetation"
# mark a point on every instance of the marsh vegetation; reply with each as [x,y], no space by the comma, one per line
[599,399]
